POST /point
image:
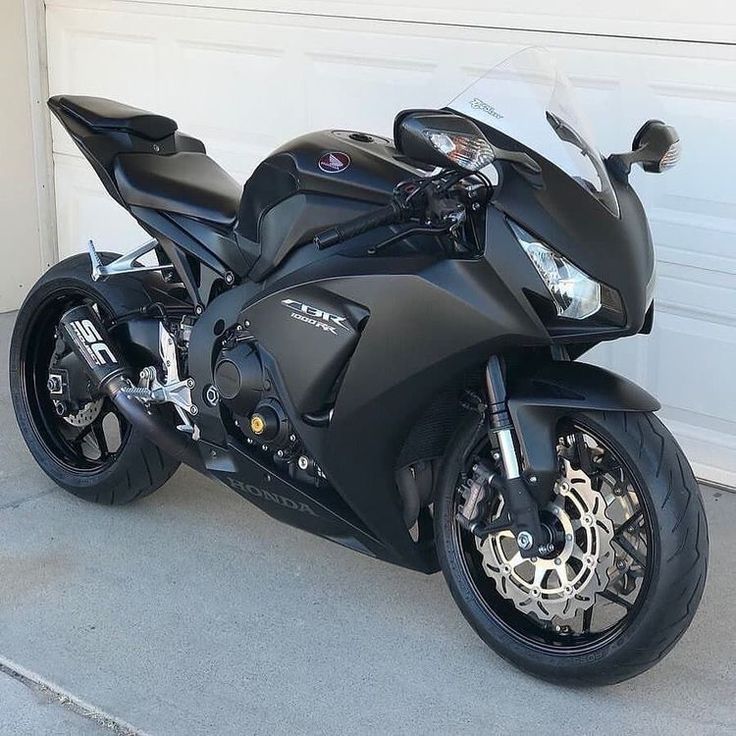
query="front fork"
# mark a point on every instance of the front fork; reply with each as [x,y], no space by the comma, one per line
[523,499]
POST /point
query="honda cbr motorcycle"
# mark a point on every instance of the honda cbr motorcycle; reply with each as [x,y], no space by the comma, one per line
[379,341]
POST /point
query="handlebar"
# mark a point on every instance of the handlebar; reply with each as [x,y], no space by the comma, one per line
[387,215]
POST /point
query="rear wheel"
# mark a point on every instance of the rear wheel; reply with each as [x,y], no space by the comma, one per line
[80,441]
[629,564]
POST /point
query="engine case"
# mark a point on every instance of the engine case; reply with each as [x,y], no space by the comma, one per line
[239,378]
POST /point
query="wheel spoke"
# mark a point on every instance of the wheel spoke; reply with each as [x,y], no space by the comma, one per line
[629,525]
[587,619]
[78,439]
[619,488]
[585,462]
[613,598]
[630,550]
[99,434]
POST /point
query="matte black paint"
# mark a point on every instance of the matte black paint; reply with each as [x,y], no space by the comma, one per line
[310,372]
[416,321]
[616,251]
[289,198]
[538,401]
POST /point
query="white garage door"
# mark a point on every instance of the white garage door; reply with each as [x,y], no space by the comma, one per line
[246,80]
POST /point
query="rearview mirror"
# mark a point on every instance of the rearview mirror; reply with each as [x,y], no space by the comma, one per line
[656,148]
[442,139]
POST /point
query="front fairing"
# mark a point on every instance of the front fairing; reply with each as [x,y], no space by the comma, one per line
[616,251]
[574,204]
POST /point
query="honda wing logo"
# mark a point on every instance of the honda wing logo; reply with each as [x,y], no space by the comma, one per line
[334,162]
[88,333]
[315,317]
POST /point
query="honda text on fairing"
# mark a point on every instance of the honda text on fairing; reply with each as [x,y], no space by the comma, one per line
[378,341]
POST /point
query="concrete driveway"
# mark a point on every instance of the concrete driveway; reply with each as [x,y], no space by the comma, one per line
[191,612]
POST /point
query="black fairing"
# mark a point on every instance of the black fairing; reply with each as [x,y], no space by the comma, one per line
[101,145]
[389,365]
[407,323]
[282,320]
[289,198]
[616,251]
[109,133]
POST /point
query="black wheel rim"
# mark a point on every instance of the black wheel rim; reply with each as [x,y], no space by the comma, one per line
[84,450]
[591,630]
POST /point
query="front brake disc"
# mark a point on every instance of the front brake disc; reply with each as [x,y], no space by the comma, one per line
[566,583]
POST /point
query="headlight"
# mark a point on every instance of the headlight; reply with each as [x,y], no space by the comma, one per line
[575,294]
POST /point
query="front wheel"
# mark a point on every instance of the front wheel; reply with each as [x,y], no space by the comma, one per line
[628,569]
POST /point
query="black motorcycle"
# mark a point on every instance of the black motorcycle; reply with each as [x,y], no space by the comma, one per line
[377,341]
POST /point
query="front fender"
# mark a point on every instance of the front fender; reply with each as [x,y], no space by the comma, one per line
[538,400]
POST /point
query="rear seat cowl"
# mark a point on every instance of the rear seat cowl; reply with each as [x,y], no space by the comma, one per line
[101,115]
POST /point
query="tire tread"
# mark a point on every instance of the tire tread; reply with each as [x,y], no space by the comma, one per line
[679,560]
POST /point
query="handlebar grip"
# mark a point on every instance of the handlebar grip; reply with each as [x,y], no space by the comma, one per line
[344,231]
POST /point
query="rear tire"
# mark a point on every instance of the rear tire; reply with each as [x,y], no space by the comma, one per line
[138,467]
[679,551]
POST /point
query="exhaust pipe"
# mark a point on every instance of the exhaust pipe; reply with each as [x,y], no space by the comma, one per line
[91,343]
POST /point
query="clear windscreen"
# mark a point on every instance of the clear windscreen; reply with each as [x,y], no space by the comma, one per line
[527,98]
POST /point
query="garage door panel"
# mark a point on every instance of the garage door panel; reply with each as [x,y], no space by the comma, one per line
[104,62]
[707,452]
[687,289]
[705,243]
[236,134]
[338,85]
[694,384]
[688,362]
[85,211]
[708,20]
[246,82]
[685,363]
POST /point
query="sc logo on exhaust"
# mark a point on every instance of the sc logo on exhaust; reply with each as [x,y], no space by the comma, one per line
[88,333]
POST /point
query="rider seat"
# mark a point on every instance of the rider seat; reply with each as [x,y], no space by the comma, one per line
[172,174]
[185,183]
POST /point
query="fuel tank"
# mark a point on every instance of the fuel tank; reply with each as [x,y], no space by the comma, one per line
[311,183]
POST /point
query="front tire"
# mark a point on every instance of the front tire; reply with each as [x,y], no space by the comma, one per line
[132,468]
[668,566]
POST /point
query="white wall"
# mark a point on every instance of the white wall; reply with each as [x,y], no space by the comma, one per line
[245,81]
[19,248]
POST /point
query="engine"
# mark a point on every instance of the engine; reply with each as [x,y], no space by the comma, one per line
[247,393]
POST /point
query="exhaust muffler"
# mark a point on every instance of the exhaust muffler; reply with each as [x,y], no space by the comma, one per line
[85,334]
